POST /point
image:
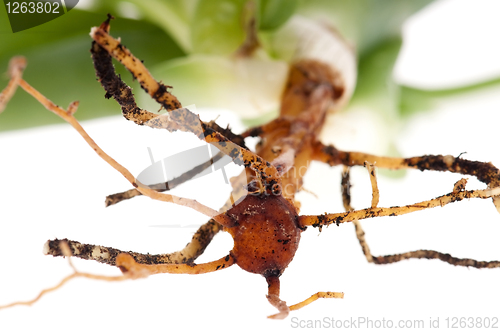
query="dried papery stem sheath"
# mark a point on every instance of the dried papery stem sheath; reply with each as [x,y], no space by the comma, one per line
[251,42]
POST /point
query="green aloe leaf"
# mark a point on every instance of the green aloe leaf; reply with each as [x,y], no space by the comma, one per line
[189,44]
[375,87]
[274,13]
[413,100]
[217,26]
[172,16]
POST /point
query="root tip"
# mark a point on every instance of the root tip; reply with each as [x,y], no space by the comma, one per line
[46,248]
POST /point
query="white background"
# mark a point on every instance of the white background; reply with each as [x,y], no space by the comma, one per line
[53,185]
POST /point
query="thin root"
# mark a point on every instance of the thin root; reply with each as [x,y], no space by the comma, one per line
[15,71]
[118,197]
[75,274]
[143,189]
[178,117]
[373,179]
[427,254]
[318,295]
[107,255]
[346,199]
[274,293]
[338,218]
[134,270]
